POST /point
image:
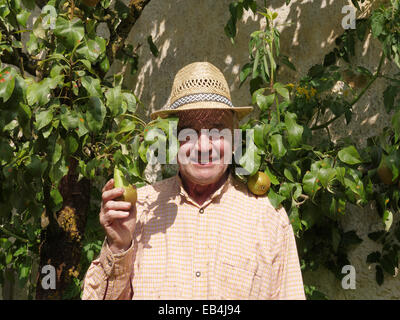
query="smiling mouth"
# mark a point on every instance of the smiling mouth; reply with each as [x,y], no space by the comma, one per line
[200,163]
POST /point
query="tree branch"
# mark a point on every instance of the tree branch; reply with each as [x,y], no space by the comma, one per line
[119,36]
[21,60]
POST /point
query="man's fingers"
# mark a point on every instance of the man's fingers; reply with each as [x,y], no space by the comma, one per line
[109,185]
[112,215]
[112,194]
[117,205]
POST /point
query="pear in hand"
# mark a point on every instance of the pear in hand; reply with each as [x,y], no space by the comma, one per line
[130,194]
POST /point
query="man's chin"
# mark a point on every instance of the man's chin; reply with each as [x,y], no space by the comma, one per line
[205,174]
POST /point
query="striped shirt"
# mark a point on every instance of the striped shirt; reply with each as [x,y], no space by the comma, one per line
[234,246]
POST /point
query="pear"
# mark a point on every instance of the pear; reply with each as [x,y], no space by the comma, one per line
[259,183]
[130,194]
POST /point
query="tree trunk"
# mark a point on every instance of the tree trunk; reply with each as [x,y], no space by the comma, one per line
[60,245]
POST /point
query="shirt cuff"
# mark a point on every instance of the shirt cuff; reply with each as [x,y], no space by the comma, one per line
[116,264]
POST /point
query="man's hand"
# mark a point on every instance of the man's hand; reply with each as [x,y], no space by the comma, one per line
[118,218]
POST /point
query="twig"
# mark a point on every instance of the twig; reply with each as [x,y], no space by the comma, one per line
[376,76]
[12,234]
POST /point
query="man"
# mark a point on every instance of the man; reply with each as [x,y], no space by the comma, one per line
[200,234]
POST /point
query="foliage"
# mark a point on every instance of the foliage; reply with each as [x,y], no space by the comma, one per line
[312,176]
[58,106]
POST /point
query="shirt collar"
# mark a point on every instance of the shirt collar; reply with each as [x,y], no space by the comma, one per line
[219,192]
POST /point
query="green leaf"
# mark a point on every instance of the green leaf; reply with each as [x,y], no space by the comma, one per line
[39,92]
[295,131]
[280,88]
[377,23]
[259,135]
[295,219]
[364,71]
[271,176]
[104,64]
[70,32]
[22,17]
[387,219]
[255,64]
[90,50]
[126,125]
[275,198]
[43,118]
[69,118]
[285,189]
[39,28]
[278,149]
[57,199]
[6,152]
[389,96]
[57,153]
[7,83]
[37,166]
[71,143]
[285,60]
[251,160]
[310,183]
[264,102]
[92,86]
[58,170]
[349,155]
[288,174]
[326,175]
[20,251]
[95,114]
[32,44]
[114,100]
[244,73]
[130,100]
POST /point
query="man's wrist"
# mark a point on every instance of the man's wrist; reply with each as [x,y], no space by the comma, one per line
[118,249]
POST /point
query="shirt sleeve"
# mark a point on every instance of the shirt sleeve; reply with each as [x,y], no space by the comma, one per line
[109,276]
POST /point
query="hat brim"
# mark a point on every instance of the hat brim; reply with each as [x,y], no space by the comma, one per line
[240,111]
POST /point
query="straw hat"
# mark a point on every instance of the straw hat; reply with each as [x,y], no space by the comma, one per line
[200,85]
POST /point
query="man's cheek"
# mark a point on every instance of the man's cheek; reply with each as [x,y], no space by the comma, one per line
[184,153]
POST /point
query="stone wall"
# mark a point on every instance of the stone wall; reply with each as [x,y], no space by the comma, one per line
[191,30]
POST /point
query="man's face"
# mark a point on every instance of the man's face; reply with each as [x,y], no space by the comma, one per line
[205,144]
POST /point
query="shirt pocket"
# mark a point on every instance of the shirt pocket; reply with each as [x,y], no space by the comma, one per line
[237,277]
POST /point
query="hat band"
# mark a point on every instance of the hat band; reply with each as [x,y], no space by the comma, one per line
[201,97]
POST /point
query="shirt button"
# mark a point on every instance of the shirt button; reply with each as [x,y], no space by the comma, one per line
[198,274]
[109,261]
[201,210]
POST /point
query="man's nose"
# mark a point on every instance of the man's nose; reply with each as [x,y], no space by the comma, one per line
[203,142]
